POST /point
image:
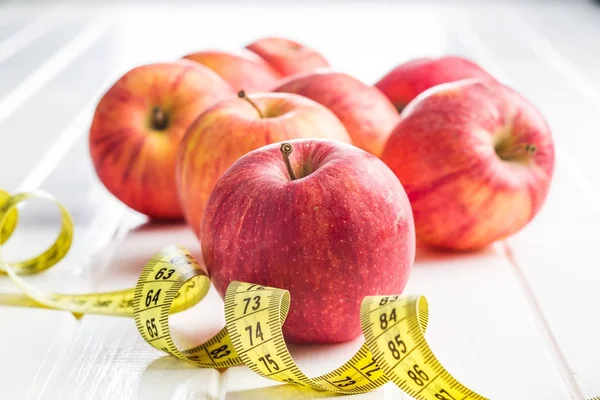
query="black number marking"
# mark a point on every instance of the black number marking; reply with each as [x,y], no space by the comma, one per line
[255,287]
[369,365]
[441,395]
[175,260]
[161,273]
[126,303]
[220,352]
[257,333]
[78,302]
[103,303]
[418,375]
[152,299]
[347,381]
[396,346]
[256,305]
[385,300]
[269,362]
[151,327]
[384,319]
[52,253]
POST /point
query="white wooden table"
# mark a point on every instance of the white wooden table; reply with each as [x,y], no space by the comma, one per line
[519,321]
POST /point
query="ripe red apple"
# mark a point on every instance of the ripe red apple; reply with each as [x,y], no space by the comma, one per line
[137,128]
[367,114]
[406,81]
[232,128]
[329,222]
[288,57]
[243,70]
[476,160]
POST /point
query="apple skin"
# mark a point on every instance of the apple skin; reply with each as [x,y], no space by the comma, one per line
[406,81]
[133,160]
[341,231]
[461,152]
[243,70]
[288,57]
[232,128]
[367,114]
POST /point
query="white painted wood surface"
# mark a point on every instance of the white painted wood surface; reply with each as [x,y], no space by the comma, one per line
[518,321]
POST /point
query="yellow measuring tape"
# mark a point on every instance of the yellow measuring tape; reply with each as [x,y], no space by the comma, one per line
[394,348]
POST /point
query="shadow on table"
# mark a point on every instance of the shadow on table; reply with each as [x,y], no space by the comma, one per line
[153,385]
[138,245]
[18,300]
[426,254]
[280,392]
[166,377]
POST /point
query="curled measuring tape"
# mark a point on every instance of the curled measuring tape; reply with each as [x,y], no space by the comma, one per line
[394,348]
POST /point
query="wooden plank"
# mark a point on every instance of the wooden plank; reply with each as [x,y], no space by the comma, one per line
[106,347]
[29,339]
[555,253]
[18,66]
[561,28]
[8,29]
[481,326]
[105,361]
[22,34]
[35,340]
[51,67]
[44,335]
[571,317]
[38,338]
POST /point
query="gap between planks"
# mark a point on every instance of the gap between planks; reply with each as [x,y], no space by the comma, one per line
[560,361]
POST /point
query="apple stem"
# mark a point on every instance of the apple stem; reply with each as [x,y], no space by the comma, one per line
[286,150]
[517,153]
[530,148]
[242,95]
[159,119]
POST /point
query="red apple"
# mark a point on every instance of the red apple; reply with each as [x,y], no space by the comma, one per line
[476,160]
[406,81]
[232,128]
[243,70]
[366,113]
[288,57]
[337,228]
[137,128]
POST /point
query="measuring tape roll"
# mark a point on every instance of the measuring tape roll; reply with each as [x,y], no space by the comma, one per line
[393,326]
